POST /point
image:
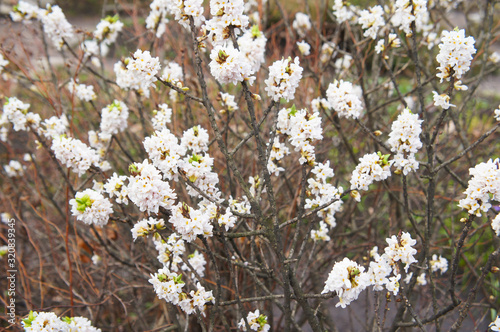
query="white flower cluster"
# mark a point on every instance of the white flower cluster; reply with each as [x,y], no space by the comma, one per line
[439,264]
[172,73]
[113,119]
[323,192]
[484,185]
[198,169]
[229,65]
[228,102]
[407,11]
[404,141]
[168,285]
[304,48]
[56,26]
[225,14]
[16,112]
[302,24]
[82,91]
[183,9]
[400,248]
[189,222]
[252,45]
[348,280]
[455,54]
[371,167]
[48,321]
[115,187]
[392,42]
[165,152]
[162,116]
[53,127]
[442,100]
[157,19]
[170,251]
[197,262]
[24,11]
[195,139]
[107,30]
[302,129]
[372,20]
[284,78]
[278,151]
[147,226]
[14,169]
[74,154]
[91,207]
[327,52]
[344,99]
[257,322]
[137,73]
[495,325]
[342,11]
[147,190]
[321,234]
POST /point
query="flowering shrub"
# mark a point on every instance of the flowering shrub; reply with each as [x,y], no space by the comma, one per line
[238,166]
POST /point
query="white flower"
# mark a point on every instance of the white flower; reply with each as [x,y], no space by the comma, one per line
[146,226]
[162,116]
[91,207]
[343,99]
[107,30]
[44,322]
[17,113]
[157,18]
[400,248]
[393,284]
[404,140]
[190,223]
[439,264]
[147,190]
[494,57]
[113,119]
[183,9]
[137,73]
[304,48]
[421,281]
[371,167]
[56,26]
[172,73]
[343,12]
[3,62]
[442,100]
[378,271]
[229,65]
[115,187]
[321,234]
[495,326]
[195,139]
[228,102]
[284,78]
[348,279]
[495,224]
[257,322]
[74,154]
[252,45]
[226,14]
[82,91]
[54,126]
[455,54]
[407,12]
[327,52]
[96,259]
[497,114]
[485,181]
[302,24]
[372,20]
[167,285]
[25,11]
[165,152]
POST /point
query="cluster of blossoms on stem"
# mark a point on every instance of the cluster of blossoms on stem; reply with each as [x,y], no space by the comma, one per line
[48,321]
[302,129]
[75,154]
[16,112]
[484,184]
[182,10]
[169,286]
[252,45]
[304,48]
[344,99]
[115,187]
[107,30]
[157,19]
[170,251]
[342,11]
[404,140]
[82,91]
[393,41]
[321,192]
[189,222]
[147,190]
[372,20]
[137,73]
[301,24]
[371,167]
[165,152]
[256,321]
[14,169]
[278,151]
[230,65]
[162,116]
[145,227]
[400,248]
[228,102]
[91,207]
[113,119]
[439,264]
[455,54]
[284,78]
[407,11]
[226,14]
